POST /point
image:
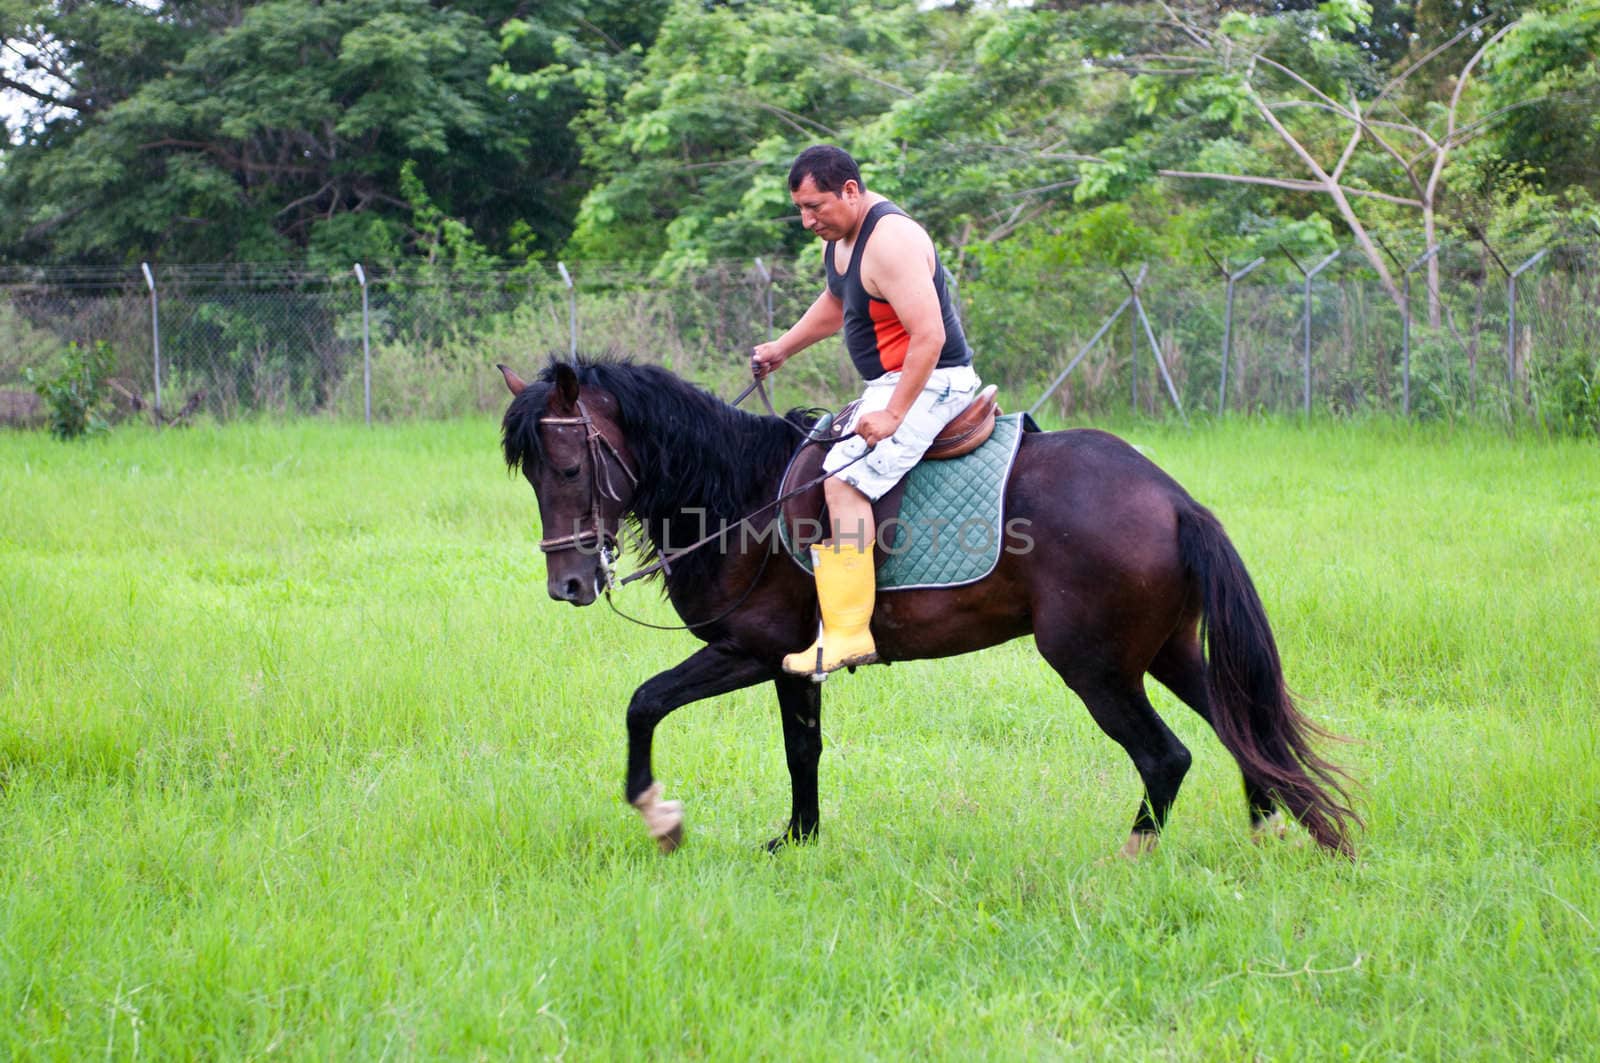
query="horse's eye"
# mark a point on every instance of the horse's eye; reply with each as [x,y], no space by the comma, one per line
[572,473]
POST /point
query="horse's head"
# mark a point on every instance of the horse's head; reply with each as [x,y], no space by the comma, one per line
[568,443]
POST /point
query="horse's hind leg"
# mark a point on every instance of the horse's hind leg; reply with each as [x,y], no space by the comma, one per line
[1181,668]
[1119,705]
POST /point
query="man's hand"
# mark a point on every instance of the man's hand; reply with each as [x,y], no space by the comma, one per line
[877,426]
[765,359]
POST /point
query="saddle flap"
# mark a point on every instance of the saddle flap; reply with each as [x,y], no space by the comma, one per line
[968,430]
[804,517]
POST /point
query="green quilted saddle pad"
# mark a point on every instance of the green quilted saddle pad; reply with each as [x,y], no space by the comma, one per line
[951,527]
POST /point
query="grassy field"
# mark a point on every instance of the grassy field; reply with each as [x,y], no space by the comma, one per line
[296,758]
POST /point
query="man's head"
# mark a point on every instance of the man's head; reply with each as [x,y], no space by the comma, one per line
[825,183]
[828,167]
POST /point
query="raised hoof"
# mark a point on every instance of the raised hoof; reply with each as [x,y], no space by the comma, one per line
[1140,843]
[670,841]
[663,819]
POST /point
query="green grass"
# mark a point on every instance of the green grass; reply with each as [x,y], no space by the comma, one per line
[297,758]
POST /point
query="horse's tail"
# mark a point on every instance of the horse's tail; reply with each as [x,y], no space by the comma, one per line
[1251,708]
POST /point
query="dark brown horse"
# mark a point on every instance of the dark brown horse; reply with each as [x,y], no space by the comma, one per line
[1109,564]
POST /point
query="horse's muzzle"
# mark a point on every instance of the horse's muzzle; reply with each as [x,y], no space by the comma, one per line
[576,590]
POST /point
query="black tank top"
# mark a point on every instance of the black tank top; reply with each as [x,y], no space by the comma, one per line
[873,335]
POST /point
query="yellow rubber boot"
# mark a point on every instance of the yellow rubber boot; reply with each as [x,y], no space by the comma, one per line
[847,586]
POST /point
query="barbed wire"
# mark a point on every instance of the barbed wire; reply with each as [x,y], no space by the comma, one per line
[281,337]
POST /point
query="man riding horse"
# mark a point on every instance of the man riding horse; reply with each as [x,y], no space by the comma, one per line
[886,289]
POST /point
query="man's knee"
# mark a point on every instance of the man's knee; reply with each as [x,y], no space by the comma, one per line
[843,495]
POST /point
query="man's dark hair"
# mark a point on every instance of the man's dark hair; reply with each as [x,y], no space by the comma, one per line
[828,166]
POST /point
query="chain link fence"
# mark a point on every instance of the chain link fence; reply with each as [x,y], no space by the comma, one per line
[252,340]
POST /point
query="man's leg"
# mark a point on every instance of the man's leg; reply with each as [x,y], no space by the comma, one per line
[850,512]
[846,588]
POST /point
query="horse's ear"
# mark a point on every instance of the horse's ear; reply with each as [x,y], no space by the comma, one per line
[567,384]
[513,381]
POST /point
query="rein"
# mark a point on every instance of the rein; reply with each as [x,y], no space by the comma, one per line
[664,563]
[605,544]
[806,439]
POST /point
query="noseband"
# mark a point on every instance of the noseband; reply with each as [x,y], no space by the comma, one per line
[594,537]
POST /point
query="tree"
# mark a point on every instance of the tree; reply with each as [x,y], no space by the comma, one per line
[1383,144]
[209,130]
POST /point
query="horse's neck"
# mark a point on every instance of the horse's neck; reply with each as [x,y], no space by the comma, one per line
[687,511]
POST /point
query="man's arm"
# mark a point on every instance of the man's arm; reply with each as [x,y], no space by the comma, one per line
[823,319]
[899,264]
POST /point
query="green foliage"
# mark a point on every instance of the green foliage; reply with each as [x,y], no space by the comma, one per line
[1547,73]
[446,242]
[658,132]
[23,345]
[1566,393]
[691,157]
[247,130]
[76,393]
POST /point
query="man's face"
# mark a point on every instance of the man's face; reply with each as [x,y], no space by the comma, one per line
[831,215]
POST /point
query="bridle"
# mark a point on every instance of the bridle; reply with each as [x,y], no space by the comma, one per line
[593,538]
[603,544]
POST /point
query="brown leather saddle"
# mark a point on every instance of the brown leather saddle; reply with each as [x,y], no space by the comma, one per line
[805,516]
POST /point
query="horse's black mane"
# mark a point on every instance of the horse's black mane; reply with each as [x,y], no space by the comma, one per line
[693,450]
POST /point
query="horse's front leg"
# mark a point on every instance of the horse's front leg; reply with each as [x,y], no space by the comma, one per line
[715,669]
[800,704]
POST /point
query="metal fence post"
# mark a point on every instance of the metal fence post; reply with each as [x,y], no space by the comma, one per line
[1405,330]
[366,344]
[1511,320]
[1318,268]
[1133,348]
[572,306]
[1487,246]
[155,332]
[766,280]
[1155,348]
[1309,275]
[1227,324]
[1087,347]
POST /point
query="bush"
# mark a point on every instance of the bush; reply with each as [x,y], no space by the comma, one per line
[77,392]
[1567,393]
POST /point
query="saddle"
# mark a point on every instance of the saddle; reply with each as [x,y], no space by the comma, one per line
[966,432]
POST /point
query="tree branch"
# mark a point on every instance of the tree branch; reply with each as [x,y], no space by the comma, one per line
[1399,79]
[797,122]
[1019,217]
[1292,184]
[1333,189]
[329,186]
[1455,103]
[1349,151]
[71,103]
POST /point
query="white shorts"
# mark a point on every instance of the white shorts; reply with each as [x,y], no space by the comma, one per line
[947,393]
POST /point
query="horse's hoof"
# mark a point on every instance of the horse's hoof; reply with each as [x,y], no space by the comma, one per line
[671,839]
[1273,828]
[1139,843]
[663,819]
[789,838]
